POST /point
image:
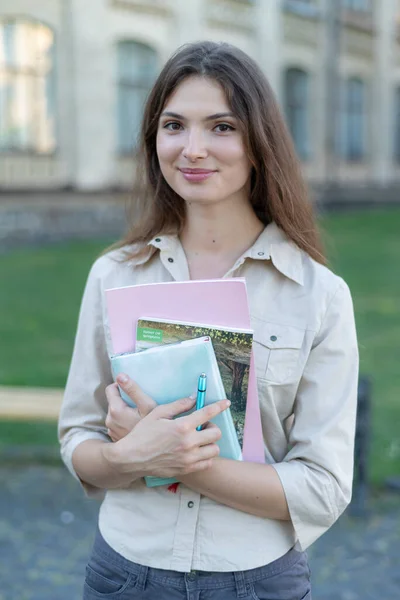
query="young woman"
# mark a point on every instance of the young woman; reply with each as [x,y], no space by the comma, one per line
[221,196]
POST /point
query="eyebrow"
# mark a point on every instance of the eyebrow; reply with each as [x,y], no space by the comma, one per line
[209,118]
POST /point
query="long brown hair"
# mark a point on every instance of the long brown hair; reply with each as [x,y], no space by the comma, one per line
[278,190]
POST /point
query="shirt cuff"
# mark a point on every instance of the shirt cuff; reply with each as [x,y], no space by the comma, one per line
[308,500]
[67,450]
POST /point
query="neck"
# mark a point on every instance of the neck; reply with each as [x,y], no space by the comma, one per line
[224,230]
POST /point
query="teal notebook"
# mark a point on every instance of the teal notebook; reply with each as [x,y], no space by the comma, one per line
[169,372]
[232,347]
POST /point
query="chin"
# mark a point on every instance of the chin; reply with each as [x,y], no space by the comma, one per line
[196,193]
[201,197]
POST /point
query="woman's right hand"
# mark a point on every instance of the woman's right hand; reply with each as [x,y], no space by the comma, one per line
[164,446]
[121,418]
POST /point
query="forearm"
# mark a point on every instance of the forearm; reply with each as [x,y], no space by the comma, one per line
[94,463]
[252,488]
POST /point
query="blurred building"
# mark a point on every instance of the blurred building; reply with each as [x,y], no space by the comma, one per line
[74,75]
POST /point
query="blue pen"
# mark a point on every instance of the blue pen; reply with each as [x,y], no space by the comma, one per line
[201,394]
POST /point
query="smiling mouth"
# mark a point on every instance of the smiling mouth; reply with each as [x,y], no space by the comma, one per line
[196,171]
[196,175]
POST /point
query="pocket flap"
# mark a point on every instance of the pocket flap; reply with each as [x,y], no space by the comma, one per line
[273,335]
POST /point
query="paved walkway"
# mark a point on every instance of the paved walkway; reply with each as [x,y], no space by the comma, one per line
[47,527]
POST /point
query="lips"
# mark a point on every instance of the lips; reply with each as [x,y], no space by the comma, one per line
[197,171]
[196,175]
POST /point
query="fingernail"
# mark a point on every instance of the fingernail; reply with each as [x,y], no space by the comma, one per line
[228,402]
[122,378]
[192,396]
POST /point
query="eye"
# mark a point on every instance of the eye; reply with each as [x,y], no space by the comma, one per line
[172,126]
[224,128]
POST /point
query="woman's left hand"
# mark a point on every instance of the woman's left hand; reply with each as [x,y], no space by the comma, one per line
[121,418]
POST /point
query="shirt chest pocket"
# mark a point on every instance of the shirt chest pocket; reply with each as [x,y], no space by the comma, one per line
[277,351]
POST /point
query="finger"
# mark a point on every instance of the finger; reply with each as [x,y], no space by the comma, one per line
[208,435]
[115,402]
[199,417]
[118,410]
[115,428]
[206,452]
[112,391]
[144,403]
[173,409]
[116,434]
[111,421]
[111,435]
[203,453]
[209,425]
[202,465]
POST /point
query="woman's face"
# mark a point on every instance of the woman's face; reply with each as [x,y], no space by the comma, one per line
[200,146]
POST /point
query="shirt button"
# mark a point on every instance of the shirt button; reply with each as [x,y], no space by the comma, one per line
[170,260]
[190,504]
[273,338]
[259,253]
[157,240]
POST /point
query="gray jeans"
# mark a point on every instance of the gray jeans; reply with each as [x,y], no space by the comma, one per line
[110,575]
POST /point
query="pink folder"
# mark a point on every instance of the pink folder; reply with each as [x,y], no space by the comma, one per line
[214,302]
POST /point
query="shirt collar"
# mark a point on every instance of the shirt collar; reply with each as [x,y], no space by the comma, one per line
[167,243]
[162,242]
[272,244]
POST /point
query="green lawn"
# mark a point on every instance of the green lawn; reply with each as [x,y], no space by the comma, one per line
[28,433]
[364,248]
[42,288]
[39,305]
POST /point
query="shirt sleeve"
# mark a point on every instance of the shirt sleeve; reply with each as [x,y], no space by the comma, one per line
[317,472]
[84,407]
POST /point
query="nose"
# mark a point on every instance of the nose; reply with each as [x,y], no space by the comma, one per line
[194,147]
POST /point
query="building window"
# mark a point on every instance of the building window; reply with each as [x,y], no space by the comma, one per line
[351,140]
[396,149]
[357,5]
[27,87]
[297,109]
[137,70]
[304,8]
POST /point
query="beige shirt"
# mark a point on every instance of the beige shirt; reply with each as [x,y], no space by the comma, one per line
[307,365]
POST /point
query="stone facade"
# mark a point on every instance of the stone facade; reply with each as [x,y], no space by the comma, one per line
[279,34]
